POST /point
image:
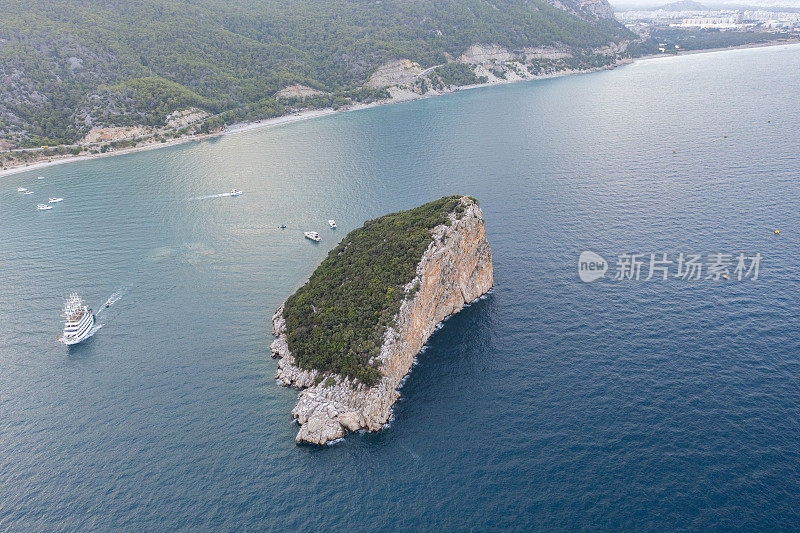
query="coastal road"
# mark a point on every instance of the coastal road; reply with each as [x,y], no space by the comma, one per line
[428,71]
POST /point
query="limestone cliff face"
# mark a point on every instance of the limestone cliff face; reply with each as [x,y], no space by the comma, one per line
[454,270]
[586,8]
[398,72]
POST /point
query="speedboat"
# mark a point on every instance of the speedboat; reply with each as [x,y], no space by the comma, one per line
[40,178]
[28,192]
[332,223]
[55,200]
[282,226]
[44,207]
[313,235]
[22,189]
[236,192]
[79,321]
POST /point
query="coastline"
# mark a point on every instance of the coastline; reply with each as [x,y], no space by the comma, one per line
[316,113]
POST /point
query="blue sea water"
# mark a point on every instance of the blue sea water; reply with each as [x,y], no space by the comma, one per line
[551,404]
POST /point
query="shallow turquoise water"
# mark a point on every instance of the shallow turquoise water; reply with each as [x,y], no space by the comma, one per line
[552,404]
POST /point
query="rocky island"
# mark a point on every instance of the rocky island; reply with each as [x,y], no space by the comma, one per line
[351,333]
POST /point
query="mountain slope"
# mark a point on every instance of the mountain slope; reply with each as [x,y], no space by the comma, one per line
[68,65]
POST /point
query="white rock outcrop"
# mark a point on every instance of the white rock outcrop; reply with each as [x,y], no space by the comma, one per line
[454,270]
[397,72]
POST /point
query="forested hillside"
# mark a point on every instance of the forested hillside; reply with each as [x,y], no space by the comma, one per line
[68,65]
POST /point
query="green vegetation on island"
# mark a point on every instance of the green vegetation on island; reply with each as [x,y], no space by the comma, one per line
[70,65]
[336,321]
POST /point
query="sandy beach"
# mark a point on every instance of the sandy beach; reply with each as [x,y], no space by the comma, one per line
[315,113]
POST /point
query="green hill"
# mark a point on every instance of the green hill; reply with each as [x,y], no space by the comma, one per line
[67,65]
[336,321]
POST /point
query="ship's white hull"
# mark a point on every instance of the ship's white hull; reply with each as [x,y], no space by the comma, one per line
[83,332]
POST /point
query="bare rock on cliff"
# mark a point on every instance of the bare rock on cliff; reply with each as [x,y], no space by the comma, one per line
[599,8]
[400,72]
[586,9]
[455,269]
[479,54]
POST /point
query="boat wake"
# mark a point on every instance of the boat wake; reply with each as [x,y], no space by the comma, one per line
[208,197]
[234,192]
[114,298]
[94,330]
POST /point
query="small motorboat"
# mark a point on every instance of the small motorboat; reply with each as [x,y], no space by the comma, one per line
[55,200]
[282,226]
[44,207]
[236,192]
[40,178]
[313,235]
[22,189]
[332,223]
[28,192]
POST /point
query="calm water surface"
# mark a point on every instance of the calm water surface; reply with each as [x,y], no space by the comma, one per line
[552,404]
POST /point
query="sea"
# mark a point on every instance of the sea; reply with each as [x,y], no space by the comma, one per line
[630,402]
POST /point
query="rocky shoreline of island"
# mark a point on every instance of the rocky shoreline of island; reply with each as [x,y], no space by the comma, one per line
[455,270]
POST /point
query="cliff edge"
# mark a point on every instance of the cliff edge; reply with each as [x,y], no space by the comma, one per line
[455,269]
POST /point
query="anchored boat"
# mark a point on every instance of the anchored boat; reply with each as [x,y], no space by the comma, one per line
[313,235]
[43,207]
[78,323]
[332,223]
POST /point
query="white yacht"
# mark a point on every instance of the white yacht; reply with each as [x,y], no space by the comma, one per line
[313,235]
[55,200]
[22,189]
[79,321]
[236,192]
[332,223]
[44,207]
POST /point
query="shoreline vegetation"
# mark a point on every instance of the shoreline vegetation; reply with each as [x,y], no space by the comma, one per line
[65,154]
